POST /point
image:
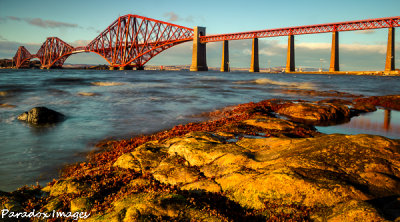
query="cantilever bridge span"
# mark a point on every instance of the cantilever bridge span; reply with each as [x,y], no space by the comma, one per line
[132,40]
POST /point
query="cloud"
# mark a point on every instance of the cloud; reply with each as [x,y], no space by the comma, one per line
[14,18]
[43,23]
[172,16]
[314,46]
[2,38]
[49,23]
[355,47]
[367,31]
[91,28]
[77,43]
[9,48]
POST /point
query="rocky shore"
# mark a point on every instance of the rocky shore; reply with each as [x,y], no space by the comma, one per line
[260,161]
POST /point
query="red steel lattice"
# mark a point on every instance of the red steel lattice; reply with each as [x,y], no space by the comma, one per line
[309,29]
[54,52]
[133,40]
[21,56]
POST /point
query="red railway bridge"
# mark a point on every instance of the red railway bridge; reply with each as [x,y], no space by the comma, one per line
[132,40]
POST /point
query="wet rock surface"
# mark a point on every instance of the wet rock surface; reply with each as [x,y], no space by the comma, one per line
[246,164]
[41,116]
[316,113]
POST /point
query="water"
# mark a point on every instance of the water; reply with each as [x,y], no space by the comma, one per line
[131,103]
[382,122]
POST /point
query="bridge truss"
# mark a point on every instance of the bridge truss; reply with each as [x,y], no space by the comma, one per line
[131,40]
[309,29]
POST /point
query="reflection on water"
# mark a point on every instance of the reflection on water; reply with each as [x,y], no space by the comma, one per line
[381,122]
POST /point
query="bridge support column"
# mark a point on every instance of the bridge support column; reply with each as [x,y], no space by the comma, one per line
[254,65]
[389,66]
[111,67]
[199,56]
[290,66]
[334,52]
[225,57]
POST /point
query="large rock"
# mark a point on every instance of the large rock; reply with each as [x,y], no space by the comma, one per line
[339,176]
[41,116]
[316,113]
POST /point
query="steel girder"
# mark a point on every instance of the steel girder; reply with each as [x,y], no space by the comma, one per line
[310,29]
[133,40]
[54,52]
[22,55]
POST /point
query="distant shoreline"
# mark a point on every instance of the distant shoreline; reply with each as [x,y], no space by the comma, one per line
[186,68]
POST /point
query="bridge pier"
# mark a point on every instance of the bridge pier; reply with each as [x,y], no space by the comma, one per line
[111,68]
[390,64]
[225,57]
[199,59]
[290,66]
[334,66]
[254,64]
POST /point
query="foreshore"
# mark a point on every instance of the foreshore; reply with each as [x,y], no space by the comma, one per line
[246,163]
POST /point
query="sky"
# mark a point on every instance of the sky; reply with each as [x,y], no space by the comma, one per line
[77,22]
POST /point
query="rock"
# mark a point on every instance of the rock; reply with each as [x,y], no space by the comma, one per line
[172,171]
[203,185]
[154,207]
[128,161]
[316,113]
[108,83]
[271,123]
[363,108]
[68,186]
[5,105]
[389,102]
[80,204]
[325,170]
[336,172]
[88,94]
[145,157]
[53,204]
[354,211]
[41,116]
[200,150]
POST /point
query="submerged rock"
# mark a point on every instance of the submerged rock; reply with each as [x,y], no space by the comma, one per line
[6,105]
[41,116]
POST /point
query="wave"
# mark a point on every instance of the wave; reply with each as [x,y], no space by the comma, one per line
[66,81]
[265,81]
[108,83]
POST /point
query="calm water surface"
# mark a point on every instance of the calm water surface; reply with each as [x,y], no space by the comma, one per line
[139,102]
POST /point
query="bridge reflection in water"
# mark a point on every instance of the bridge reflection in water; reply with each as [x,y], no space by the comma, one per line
[379,122]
